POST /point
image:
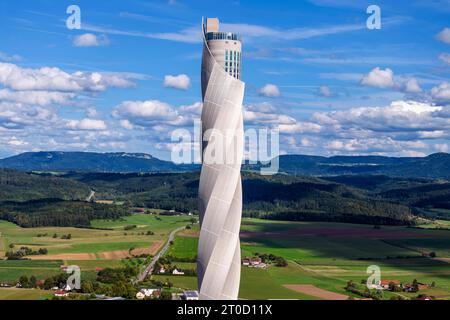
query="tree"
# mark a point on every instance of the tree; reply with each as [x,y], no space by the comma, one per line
[168,283]
[432,254]
[415,285]
[165,295]
[33,282]
[24,282]
[87,287]
[49,283]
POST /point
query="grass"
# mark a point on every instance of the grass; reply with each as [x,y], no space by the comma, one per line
[437,224]
[184,247]
[326,255]
[24,294]
[330,261]
[90,241]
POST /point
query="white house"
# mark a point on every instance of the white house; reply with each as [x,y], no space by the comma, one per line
[140,295]
[176,272]
[162,270]
[190,295]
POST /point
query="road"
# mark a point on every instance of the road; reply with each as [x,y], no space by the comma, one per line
[148,270]
[88,199]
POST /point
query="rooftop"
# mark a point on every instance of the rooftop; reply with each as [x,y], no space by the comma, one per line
[191,294]
[211,29]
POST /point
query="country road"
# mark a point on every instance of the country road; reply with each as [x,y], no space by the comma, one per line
[89,198]
[148,270]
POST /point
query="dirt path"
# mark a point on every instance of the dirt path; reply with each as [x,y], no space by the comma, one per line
[312,290]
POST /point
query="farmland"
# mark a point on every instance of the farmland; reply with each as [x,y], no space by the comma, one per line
[322,256]
[328,255]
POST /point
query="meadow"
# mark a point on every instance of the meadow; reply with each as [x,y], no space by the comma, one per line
[320,254]
[328,255]
[87,248]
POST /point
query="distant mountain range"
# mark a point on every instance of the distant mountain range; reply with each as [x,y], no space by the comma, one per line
[433,166]
[91,161]
[436,165]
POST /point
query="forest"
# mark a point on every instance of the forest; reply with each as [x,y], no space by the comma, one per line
[33,199]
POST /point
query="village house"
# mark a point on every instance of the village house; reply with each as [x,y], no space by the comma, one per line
[384,284]
[190,295]
[177,272]
[162,270]
[61,293]
[410,288]
[251,262]
[146,293]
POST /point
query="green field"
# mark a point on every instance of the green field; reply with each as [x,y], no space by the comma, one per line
[93,241]
[325,255]
[328,255]
[88,248]
[184,247]
[24,294]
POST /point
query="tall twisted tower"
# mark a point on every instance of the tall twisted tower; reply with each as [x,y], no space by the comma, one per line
[220,190]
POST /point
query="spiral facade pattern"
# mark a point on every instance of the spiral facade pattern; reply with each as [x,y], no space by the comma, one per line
[220,190]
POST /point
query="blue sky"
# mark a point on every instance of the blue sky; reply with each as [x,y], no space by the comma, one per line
[131,74]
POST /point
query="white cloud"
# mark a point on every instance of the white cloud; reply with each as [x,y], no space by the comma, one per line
[126,124]
[41,98]
[17,142]
[9,58]
[181,81]
[445,57]
[55,79]
[441,147]
[149,110]
[270,90]
[192,34]
[441,92]
[90,40]
[379,78]
[91,112]
[412,86]
[86,124]
[325,91]
[444,35]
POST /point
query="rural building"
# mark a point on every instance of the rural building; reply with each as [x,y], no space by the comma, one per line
[61,293]
[190,295]
[251,261]
[140,295]
[162,270]
[146,293]
[385,283]
[410,288]
[176,272]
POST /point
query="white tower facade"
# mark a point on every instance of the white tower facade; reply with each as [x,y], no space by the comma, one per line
[220,190]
